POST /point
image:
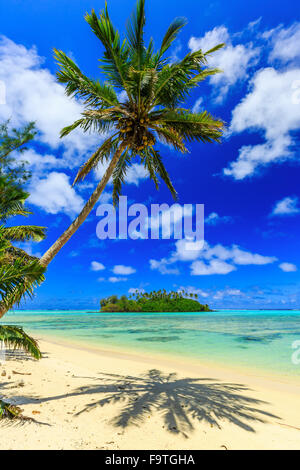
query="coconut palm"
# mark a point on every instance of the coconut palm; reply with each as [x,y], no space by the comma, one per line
[155,89]
[20,273]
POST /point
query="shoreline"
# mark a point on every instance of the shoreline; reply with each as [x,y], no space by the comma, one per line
[183,362]
[87,399]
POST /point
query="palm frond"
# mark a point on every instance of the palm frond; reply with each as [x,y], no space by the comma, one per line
[171,35]
[19,279]
[77,84]
[24,233]
[119,175]
[201,127]
[9,411]
[150,167]
[176,80]
[162,172]
[135,31]
[14,337]
[115,61]
[171,136]
[102,153]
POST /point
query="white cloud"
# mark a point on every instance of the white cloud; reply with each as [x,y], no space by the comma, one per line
[114,279]
[234,60]
[215,266]
[228,292]
[197,106]
[287,206]
[288,267]
[166,220]
[242,257]
[207,260]
[268,108]
[193,290]
[123,270]
[134,290]
[54,194]
[213,219]
[41,163]
[95,266]
[162,266]
[33,94]
[285,43]
[186,250]
[134,175]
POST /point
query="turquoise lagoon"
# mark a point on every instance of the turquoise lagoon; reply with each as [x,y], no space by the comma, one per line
[256,339]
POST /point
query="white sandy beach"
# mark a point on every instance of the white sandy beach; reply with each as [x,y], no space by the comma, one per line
[85,399]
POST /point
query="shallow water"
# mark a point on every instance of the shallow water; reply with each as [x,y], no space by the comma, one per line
[257,339]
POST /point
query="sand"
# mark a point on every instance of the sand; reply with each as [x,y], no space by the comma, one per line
[92,399]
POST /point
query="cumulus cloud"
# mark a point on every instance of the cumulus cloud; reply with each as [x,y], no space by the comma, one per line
[115,279]
[197,106]
[123,270]
[288,267]
[38,97]
[285,43]
[54,194]
[134,290]
[208,260]
[215,266]
[95,266]
[193,290]
[228,292]
[269,109]
[163,266]
[213,219]
[134,175]
[287,206]
[234,60]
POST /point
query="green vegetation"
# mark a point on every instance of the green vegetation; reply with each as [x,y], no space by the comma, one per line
[20,273]
[159,301]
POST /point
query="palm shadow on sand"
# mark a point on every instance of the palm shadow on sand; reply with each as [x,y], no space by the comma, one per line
[181,402]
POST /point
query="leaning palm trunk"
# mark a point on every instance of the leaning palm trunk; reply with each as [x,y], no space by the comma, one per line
[62,240]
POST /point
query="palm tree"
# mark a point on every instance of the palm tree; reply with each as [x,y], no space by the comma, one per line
[155,90]
[20,273]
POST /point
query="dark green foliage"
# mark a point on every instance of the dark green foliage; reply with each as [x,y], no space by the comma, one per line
[14,140]
[9,411]
[159,301]
[15,337]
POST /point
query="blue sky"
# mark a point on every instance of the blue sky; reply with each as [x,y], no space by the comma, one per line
[249,184]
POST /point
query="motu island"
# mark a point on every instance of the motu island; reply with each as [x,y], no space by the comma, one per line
[155,301]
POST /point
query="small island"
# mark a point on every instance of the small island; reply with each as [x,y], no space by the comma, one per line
[155,301]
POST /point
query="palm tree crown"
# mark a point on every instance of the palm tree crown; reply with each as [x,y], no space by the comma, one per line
[154,90]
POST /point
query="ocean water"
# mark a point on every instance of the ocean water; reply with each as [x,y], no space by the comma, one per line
[257,339]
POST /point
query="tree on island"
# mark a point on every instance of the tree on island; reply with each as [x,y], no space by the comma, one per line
[155,301]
